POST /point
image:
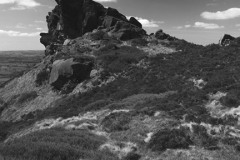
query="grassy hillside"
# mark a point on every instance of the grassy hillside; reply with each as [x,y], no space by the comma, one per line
[168,100]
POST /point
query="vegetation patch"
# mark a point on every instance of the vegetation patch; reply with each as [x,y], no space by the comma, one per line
[200,137]
[170,139]
[42,77]
[138,42]
[26,96]
[56,144]
[118,59]
[118,121]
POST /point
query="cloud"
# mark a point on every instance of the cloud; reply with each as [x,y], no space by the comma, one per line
[207,25]
[179,27]
[212,4]
[20,26]
[21,4]
[40,21]
[18,34]
[237,25]
[103,1]
[39,29]
[200,25]
[222,15]
[147,23]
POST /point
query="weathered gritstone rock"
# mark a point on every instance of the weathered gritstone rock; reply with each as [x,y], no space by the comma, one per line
[72,19]
[65,70]
[226,40]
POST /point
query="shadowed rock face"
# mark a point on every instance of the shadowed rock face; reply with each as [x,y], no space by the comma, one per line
[226,39]
[74,18]
[65,70]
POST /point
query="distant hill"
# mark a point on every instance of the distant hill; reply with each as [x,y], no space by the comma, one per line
[23,53]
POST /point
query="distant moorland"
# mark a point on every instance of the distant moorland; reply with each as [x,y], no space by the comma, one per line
[13,63]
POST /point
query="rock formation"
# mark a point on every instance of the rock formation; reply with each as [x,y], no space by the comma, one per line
[162,36]
[226,39]
[72,19]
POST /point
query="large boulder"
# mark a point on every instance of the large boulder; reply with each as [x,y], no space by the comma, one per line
[46,39]
[109,21]
[114,13]
[161,35]
[126,31]
[135,22]
[65,70]
[226,39]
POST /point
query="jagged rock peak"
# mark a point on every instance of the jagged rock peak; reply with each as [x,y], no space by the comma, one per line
[73,18]
[226,40]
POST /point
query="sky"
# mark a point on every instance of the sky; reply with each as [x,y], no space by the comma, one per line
[197,21]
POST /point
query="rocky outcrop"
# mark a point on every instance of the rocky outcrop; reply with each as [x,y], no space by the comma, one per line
[125,31]
[72,19]
[134,21]
[226,39]
[46,39]
[162,36]
[65,70]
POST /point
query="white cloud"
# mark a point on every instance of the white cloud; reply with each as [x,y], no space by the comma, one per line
[188,26]
[18,34]
[40,21]
[102,1]
[178,27]
[237,25]
[207,25]
[212,4]
[147,23]
[20,26]
[21,4]
[6,1]
[39,29]
[201,25]
[222,15]
[181,27]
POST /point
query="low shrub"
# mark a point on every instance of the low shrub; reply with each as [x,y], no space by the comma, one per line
[117,121]
[201,138]
[132,156]
[56,144]
[170,138]
[26,97]
[118,59]
[98,35]
[42,77]
[3,106]
[139,42]
[68,87]
[231,99]
[97,105]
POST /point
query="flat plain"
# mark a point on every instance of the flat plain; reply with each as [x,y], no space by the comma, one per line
[13,63]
